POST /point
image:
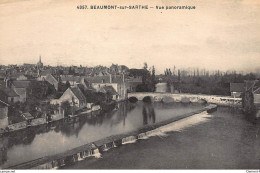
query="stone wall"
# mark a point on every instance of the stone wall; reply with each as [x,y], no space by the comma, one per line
[38,121]
[17,126]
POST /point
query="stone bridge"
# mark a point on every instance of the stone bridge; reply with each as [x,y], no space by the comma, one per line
[219,100]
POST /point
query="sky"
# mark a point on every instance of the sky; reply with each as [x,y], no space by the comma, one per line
[217,35]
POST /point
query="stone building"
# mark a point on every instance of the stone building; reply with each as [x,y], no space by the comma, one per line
[21,89]
[74,96]
[115,81]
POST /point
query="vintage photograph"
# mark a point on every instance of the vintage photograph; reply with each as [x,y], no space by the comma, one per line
[130,84]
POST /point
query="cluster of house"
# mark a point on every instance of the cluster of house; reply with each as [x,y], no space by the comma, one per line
[15,88]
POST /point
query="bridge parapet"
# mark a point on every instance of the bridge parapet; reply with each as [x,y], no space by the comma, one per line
[220,100]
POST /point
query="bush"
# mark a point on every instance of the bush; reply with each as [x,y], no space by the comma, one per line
[142,88]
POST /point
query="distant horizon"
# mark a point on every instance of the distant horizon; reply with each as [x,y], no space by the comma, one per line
[140,67]
[217,35]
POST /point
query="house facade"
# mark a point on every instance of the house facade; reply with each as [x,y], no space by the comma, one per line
[161,87]
[74,96]
[115,81]
[21,89]
[110,90]
[8,95]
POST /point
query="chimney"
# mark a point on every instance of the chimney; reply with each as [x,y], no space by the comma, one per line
[110,76]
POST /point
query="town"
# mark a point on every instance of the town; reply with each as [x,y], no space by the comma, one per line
[34,94]
[129,85]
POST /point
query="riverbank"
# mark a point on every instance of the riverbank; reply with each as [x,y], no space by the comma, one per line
[40,121]
[83,152]
[193,98]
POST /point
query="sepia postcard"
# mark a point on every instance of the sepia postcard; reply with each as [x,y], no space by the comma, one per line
[130,84]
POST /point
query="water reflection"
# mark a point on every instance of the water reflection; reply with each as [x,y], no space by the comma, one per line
[56,137]
[148,113]
[3,150]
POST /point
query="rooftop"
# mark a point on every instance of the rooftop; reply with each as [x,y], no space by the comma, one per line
[105,79]
[27,116]
[9,92]
[109,89]
[76,91]
[21,84]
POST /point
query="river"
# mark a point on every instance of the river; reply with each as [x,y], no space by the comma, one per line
[35,142]
[224,139]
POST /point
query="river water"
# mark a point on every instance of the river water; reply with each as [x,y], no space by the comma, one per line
[224,139]
[57,137]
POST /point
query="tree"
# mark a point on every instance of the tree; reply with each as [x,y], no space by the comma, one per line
[148,79]
[145,66]
[67,84]
[153,80]
[109,96]
[145,74]
[31,104]
[141,88]
[179,75]
[170,72]
[95,97]
[50,90]
[66,107]
[248,103]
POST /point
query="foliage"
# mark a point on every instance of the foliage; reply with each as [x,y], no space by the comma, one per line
[95,97]
[136,72]
[63,87]
[205,84]
[66,107]
[248,103]
[40,90]
[142,88]
[148,79]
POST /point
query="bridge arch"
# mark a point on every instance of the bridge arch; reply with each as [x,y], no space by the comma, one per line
[133,99]
[147,99]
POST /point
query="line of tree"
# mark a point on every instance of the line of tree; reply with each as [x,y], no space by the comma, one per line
[215,84]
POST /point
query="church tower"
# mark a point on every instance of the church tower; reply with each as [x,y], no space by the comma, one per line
[40,64]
